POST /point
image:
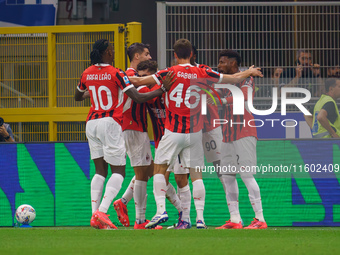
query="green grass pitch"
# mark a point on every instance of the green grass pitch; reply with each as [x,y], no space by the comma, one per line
[85,240]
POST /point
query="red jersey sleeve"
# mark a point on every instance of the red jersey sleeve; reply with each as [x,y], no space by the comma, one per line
[213,76]
[248,83]
[160,73]
[123,81]
[81,85]
[204,66]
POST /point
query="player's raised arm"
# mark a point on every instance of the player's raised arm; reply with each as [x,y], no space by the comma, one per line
[240,76]
[144,97]
[146,80]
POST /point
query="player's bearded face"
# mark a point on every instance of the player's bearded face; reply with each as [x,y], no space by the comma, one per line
[227,66]
[111,53]
[145,55]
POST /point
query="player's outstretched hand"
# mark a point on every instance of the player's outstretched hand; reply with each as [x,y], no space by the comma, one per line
[212,101]
[255,71]
[168,80]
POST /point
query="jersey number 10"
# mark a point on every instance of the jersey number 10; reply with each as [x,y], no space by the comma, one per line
[97,97]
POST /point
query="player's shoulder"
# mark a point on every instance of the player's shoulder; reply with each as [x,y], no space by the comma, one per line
[210,72]
[131,72]
[100,68]
[164,71]
[89,73]
[248,82]
[203,66]
[90,69]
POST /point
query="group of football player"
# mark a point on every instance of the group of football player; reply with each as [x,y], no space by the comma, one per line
[183,134]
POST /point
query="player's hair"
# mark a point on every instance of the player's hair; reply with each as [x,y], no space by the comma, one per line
[194,50]
[230,54]
[99,47]
[331,82]
[183,48]
[136,48]
[149,65]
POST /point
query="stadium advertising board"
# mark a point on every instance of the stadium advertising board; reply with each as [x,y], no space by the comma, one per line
[55,179]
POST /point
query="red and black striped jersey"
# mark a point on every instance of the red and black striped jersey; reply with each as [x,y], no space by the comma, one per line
[156,109]
[212,111]
[134,115]
[203,66]
[182,101]
[106,85]
[238,125]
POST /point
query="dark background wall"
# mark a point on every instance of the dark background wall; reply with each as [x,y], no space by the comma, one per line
[143,11]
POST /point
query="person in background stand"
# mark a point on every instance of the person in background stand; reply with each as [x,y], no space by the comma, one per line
[6,134]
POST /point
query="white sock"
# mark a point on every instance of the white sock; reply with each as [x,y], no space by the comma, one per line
[97,185]
[172,197]
[159,190]
[232,192]
[223,181]
[112,188]
[198,192]
[254,196]
[127,196]
[178,193]
[139,196]
[185,194]
[144,203]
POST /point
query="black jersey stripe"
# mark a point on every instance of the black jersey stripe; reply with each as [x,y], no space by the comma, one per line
[91,116]
[170,116]
[120,78]
[142,112]
[133,111]
[184,124]
[176,124]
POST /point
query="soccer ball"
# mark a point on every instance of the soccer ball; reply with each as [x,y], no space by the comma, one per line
[25,214]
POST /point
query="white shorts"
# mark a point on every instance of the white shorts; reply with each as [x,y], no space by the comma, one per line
[105,137]
[177,167]
[212,142]
[239,156]
[187,146]
[138,147]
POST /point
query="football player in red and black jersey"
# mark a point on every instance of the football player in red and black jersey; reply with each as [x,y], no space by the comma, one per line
[155,105]
[211,132]
[137,142]
[105,85]
[239,147]
[183,124]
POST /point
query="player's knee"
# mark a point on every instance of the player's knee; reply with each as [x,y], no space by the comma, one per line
[181,180]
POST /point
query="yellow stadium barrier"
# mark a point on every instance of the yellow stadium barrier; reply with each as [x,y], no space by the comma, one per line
[39,70]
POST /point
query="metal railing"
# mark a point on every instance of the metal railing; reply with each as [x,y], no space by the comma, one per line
[40,68]
[266,34]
